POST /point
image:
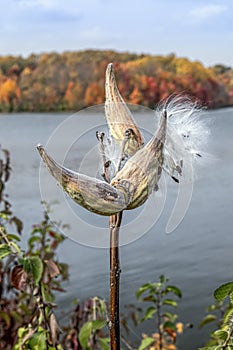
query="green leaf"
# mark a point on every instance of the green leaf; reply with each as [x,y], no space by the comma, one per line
[170,302]
[162,279]
[4,250]
[3,215]
[228,317]
[105,343]
[32,240]
[15,247]
[231,298]
[16,316]
[21,332]
[169,324]
[38,341]
[46,293]
[207,319]
[84,335]
[143,288]
[211,348]
[145,343]
[149,313]
[214,307]
[220,334]
[150,298]
[175,290]
[87,328]
[12,236]
[98,324]
[223,291]
[5,316]
[170,316]
[103,307]
[56,347]
[33,265]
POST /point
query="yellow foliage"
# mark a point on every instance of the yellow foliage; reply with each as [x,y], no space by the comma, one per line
[26,71]
[179,327]
[8,91]
[45,80]
[168,338]
[184,67]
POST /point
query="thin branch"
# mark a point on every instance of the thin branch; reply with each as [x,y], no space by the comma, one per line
[114,225]
[159,321]
[114,323]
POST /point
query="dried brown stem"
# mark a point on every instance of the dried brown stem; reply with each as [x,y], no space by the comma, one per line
[114,324]
[114,225]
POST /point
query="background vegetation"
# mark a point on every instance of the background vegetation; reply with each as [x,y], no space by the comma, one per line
[73,80]
[30,279]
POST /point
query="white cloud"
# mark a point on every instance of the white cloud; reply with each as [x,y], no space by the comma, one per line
[207,11]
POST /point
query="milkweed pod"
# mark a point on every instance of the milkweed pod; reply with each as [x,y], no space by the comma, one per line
[95,195]
[130,187]
[143,170]
[119,117]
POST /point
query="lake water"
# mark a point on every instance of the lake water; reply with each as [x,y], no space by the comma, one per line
[197,256]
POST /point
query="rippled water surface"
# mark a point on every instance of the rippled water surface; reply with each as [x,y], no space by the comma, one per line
[197,256]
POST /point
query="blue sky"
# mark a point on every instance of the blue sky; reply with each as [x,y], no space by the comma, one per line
[198,29]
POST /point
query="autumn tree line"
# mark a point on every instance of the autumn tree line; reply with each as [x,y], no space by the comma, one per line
[73,80]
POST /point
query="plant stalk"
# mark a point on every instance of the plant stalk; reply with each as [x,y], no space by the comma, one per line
[159,321]
[114,322]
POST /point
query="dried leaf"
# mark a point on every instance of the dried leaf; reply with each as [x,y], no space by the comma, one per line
[52,267]
[1,168]
[19,277]
[54,328]
[18,223]
[7,164]
[171,333]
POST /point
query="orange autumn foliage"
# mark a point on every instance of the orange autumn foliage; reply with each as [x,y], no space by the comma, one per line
[73,80]
[9,93]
